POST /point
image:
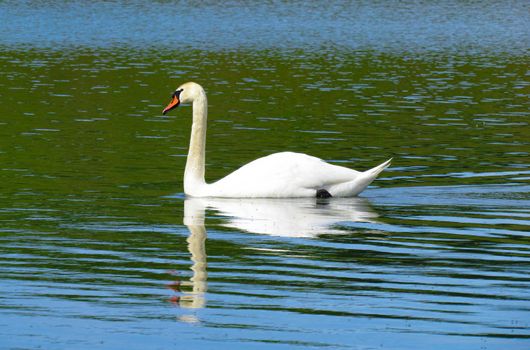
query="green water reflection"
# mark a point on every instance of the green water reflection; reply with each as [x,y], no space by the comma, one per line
[101,113]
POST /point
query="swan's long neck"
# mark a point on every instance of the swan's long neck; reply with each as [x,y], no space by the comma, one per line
[194,172]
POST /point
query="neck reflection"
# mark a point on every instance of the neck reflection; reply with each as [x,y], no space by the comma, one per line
[194,298]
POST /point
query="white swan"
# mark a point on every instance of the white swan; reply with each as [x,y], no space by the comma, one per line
[278,175]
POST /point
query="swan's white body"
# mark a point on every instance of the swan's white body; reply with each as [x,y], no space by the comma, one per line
[278,175]
[288,174]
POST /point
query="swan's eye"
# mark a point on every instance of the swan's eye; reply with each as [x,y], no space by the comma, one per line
[177,93]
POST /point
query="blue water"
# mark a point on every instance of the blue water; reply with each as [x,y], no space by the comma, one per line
[454,26]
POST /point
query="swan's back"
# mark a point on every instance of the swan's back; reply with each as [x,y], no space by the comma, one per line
[284,174]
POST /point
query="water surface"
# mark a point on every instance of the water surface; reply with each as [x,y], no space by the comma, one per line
[100,248]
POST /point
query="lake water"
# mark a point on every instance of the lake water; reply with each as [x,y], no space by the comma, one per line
[101,249]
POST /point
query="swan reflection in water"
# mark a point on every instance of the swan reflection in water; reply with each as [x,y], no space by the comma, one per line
[297,217]
[194,221]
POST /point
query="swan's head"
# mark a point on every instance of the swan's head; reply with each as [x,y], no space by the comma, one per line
[186,93]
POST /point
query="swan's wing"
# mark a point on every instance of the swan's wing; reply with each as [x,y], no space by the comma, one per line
[283,174]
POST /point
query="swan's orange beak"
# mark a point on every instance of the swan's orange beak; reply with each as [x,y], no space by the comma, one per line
[173,104]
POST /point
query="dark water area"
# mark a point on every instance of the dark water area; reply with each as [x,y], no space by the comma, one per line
[101,249]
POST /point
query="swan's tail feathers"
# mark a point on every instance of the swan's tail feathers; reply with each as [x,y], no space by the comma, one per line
[356,186]
[378,169]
